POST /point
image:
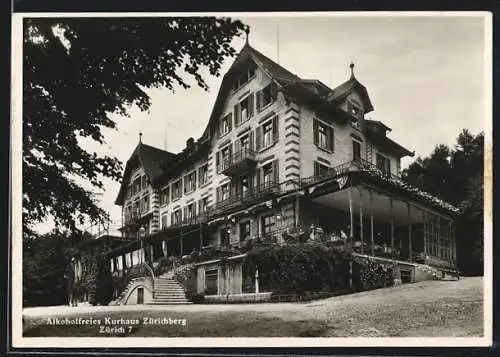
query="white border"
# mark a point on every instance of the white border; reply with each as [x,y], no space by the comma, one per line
[19,341]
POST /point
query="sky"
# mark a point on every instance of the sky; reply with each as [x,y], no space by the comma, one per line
[424,75]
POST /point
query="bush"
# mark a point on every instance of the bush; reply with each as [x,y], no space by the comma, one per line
[368,274]
[196,298]
[297,268]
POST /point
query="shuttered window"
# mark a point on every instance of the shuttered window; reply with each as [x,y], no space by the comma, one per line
[320,169]
[244,110]
[323,136]
[266,96]
[225,125]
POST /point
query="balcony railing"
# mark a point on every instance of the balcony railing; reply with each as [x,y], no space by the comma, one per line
[253,194]
[354,165]
[238,162]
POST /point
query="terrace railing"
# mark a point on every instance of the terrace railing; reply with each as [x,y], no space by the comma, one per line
[350,166]
[240,156]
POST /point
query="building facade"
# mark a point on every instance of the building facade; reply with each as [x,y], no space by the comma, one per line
[279,154]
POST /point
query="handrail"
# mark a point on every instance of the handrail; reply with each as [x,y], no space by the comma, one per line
[237,157]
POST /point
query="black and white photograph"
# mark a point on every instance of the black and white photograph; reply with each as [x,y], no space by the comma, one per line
[251,179]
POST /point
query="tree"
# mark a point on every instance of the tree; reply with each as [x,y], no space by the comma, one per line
[76,71]
[46,267]
[456,175]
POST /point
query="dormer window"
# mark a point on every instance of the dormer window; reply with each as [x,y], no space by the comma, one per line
[266,96]
[244,78]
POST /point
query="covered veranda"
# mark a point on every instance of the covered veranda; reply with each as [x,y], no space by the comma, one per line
[380,221]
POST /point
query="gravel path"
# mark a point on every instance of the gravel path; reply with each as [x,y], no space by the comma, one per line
[431,308]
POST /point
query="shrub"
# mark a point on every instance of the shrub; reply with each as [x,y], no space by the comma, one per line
[297,268]
[195,298]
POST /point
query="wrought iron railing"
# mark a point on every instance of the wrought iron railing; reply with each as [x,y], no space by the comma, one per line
[141,270]
[353,165]
[236,158]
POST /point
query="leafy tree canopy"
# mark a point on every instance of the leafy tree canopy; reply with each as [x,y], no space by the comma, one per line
[456,175]
[77,71]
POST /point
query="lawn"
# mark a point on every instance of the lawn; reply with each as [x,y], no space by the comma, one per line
[434,308]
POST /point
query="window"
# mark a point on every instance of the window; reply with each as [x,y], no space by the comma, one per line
[137,185]
[320,169]
[191,211]
[244,185]
[176,217]
[268,224]
[267,130]
[225,124]
[190,182]
[203,175]
[144,181]
[128,214]
[244,110]
[225,192]
[135,209]
[145,204]
[244,231]
[356,150]
[383,163]
[211,282]
[177,189]
[165,196]
[164,220]
[245,143]
[129,192]
[267,134]
[266,96]
[244,77]
[267,173]
[323,135]
[354,110]
[202,205]
[225,236]
[223,158]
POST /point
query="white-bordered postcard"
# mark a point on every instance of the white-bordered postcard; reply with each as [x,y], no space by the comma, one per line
[251,179]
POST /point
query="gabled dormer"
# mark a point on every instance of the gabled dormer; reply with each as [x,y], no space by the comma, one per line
[352,97]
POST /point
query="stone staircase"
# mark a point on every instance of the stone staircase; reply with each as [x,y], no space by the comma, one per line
[431,271]
[168,291]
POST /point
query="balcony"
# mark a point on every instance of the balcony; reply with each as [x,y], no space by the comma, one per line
[253,194]
[136,219]
[239,163]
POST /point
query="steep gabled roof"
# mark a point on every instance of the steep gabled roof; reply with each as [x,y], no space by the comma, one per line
[342,91]
[152,160]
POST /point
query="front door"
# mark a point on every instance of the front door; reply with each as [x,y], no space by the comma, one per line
[140,296]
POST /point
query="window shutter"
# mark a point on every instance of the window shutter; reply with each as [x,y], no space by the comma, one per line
[172,219]
[275,129]
[274,91]
[237,115]
[250,139]
[194,179]
[257,177]
[258,135]
[219,125]
[217,161]
[251,105]
[185,186]
[237,146]
[218,194]
[316,168]
[315,132]
[259,100]
[230,120]
[330,139]
[276,172]
[185,212]
[388,166]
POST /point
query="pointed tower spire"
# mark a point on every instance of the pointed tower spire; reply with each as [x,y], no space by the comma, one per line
[140,137]
[247,32]
[352,69]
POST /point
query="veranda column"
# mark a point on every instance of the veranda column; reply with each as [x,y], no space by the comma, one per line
[372,239]
[424,229]
[349,195]
[438,231]
[450,247]
[392,226]
[410,256]
[181,243]
[201,236]
[361,220]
